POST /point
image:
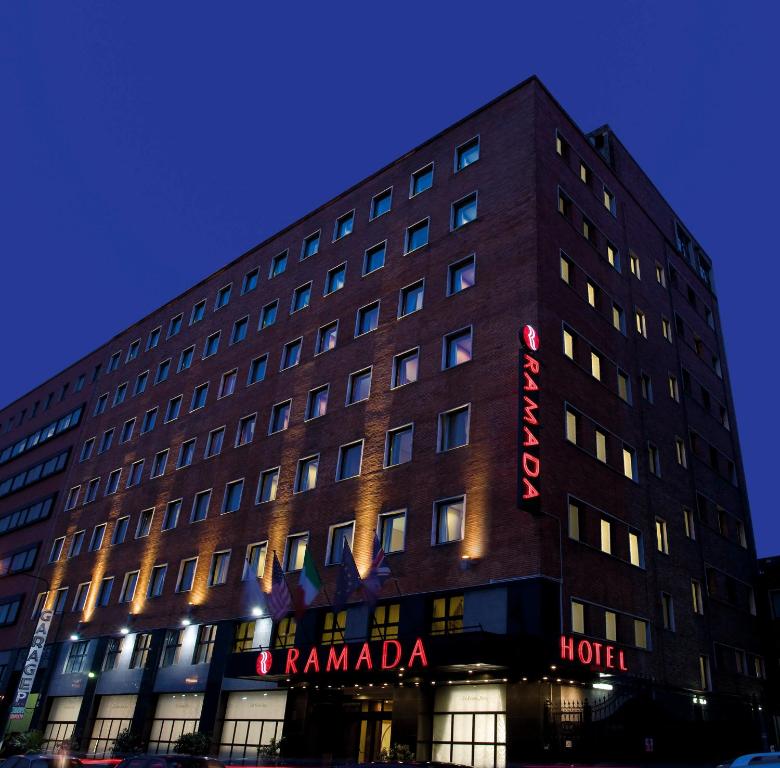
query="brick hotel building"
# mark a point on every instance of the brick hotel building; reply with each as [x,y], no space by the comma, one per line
[502,355]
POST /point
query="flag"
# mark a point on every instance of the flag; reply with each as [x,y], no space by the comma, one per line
[279,601]
[254,596]
[378,573]
[348,579]
[309,584]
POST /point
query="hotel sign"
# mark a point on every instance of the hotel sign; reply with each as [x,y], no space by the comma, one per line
[381,657]
[31,666]
[591,653]
[529,470]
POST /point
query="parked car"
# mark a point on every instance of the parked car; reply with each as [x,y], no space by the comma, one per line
[42,761]
[163,761]
[756,758]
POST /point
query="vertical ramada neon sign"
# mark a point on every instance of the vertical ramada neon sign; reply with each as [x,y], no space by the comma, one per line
[528,459]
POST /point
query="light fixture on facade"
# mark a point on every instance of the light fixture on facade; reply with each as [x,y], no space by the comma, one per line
[257,611]
[124,631]
[74,637]
[603,686]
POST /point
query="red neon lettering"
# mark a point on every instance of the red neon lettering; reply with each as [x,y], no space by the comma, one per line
[418,652]
[610,662]
[530,438]
[292,660]
[336,661]
[364,656]
[530,384]
[567,648]
[529,492]
[386,664]
[529,363]
[530,465]
[584,645]
[312,661]
[597,648]
[622,662]
[528,411]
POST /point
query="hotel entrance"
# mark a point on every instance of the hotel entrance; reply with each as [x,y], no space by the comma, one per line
[370,728]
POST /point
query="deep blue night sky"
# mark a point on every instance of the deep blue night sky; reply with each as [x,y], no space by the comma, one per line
[143,145]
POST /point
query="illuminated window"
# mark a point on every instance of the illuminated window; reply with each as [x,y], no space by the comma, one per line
[635,552]
[568,344]
[613,256]
[633,261]
[585,173]
[618,318]
[641,322]
[421,180]
[291,354]
[566,270]
[186,574]
[679,449]
[606,536]
[232,499]
[349,461]
[457,348]
[464,211]
[335,278]
[577,617]
[601,446]
[398,446]
[306,474]
[295,551]
[171,648]
[609,201]
[381,203]
[410,298]
[666,329]
[385,621]
[564,204]
[204,643]
[392,531]
[367,319]
[705,679]
[641,629]
[359,386]
[254,563]
[268,315]
[219,568]
[280,417]
[246,430]
[588,230]
[593,294]
[339,537]
[571,426]
[317,402]
[689,524]
[595,365]
[660,275]
[629,463]
[466,154]
[449,519]
[661,536]
[561,145]
[374,258]
[257,369]
[447,615]
[200,506]
[285,633]
[243,636]
[311,245]
[344,225]
[300,298]
[405,368]
[326,337]
[696,596]
[278,265]
[76,660]
[610,626]
[574,522]
[417,235]
[674,389]
[454,428]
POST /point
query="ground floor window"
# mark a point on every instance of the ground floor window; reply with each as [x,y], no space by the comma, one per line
[115,713]
[63,713]
[176,713]
[469,725]
[252,718]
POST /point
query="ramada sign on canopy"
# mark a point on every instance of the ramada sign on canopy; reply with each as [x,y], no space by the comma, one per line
[371,656]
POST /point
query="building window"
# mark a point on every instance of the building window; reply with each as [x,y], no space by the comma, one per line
[333,627]
[172,410]
[157,580]
[246,430]
[661,536]
[199,396]
[417,236]
[666,329]
[613,256]
[705,679]
[219,568]
[635,551]
[646,385]
[633,261]
[449,520]
[624,386]
[392,531]
[641,634]
[186,577]
[349,461]
[466,154]
[359,386]
[674,389]
[568,344]
[185,359]
[239,330]
[113,362]
[326,337]
[200,506]
[593,294]
[82,591]
[100,405]
[457,348]
[250,281]
[610,626]
[374,258]
[577,617]
[667,611]
[243,637]
[86,449]
[120,530]
[104,592]
[461,275]
[163,369]
[77,658]
[411,298]
[609,201]
[171,648]
[268,315]
[571,426]
[56,549]
[680,453]
[92,490]
[367,319]
[306,474]
[278,264]
[267,485]
[144,526]
[119,395]
[175,325]
[398,446]
[171,516]
[561,146]
[344,225]
[660,275]
[564,204]
[447,615]
[317,403]
[454,428]
[211,347]
[574,522]
[295,551]
[98,534]
[605,535]
[595,365]
[214,442]
[566,269]
[186,453]
[339,537]
[640,322]
[159,463]
[60,600]
[421,180]
[381,203]
[689,524]
[654,459]
[254,563]
[629,462]
[601,446]
[311,246]
[335,279]
[280,417]
[285,633]
[128,587]
[618,318]
[223,296]
[696,596]
[405,368]
[301,298]
[233,493]
[257,370]
[291,354]
[136,471]
[464,211]
[385,622]
[204,643]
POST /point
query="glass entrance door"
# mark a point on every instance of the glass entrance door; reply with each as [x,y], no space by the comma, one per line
[375,729]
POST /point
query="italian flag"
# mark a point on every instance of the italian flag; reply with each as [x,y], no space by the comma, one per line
[309,583]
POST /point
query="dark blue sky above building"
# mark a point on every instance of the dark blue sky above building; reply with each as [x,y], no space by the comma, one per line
[144,145]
